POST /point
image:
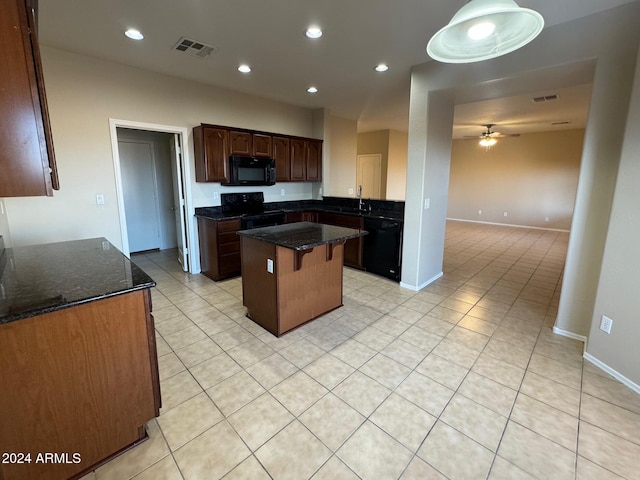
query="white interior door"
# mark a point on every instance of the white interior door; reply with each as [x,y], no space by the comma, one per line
[140,195]
[368,174]
[179,208]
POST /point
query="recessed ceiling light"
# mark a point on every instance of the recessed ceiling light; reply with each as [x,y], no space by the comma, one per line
[312,90]
[382,68]
[313,32]
[244,68]
[134,34]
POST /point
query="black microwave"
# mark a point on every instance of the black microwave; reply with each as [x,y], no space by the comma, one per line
[251,171]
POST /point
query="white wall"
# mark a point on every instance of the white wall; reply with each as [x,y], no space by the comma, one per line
[611,40]
[341,137]
[532,177]
[397,165]
[83,94]
[619,284]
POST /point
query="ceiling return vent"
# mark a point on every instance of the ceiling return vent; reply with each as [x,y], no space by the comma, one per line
[194,48]
[544,98]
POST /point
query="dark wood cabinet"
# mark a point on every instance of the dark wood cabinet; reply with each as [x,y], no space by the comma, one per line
[81,380]
[27,158]
[282,157]
[240,143]
[261,145]
[310,217]
[219,248]
[306,160]
[297,159]
[211,146]
[314,161]
[352,248]
[293,217]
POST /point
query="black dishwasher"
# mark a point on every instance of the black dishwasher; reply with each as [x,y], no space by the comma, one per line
[383,247]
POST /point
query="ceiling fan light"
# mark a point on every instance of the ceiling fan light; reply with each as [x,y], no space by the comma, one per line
[469,37]
[488,142]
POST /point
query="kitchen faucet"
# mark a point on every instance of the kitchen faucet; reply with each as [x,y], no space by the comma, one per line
[360,202]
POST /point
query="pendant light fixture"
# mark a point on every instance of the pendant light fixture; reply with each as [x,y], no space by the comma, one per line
[485,29]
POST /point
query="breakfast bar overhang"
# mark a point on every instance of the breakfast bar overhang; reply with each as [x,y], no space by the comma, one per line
[292,273]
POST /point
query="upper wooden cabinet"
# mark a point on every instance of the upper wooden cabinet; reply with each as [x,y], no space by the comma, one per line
[240,143]
[282,156]
[211,146]
[27,159]
[262,145]
[306,160]
[314,160]
[297,159]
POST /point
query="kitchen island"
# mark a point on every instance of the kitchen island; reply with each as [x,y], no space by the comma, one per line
[78,364]
[292,273]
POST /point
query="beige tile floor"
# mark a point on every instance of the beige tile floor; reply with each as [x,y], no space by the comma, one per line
[461,380]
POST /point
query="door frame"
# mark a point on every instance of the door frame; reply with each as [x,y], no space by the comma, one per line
[185,170]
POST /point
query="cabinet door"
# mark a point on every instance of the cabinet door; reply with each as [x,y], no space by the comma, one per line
[240,143]
[310,217]
[211,147]
[26,157]
[298,160]
[282,155]
[314,160]
[261,145]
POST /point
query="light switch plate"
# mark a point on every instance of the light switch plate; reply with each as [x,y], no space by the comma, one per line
[99,199]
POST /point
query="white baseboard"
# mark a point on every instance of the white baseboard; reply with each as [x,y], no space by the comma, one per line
[420,287]
[568,334]
[508,225]
[618,376]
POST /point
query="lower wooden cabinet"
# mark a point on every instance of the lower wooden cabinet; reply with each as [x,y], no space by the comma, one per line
[84,382]
[219,248]
[352,248]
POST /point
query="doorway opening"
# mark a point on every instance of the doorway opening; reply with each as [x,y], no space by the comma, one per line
[369,174]
[151,169]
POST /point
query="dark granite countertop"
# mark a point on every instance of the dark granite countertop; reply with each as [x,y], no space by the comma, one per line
[43,278]
[302,235]
[346,206]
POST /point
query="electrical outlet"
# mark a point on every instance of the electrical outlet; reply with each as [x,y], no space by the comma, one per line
[216,195]
[350,191]
[546,219]
[504,214]
[479,212]
[99,199]
[605,324]
[427,203]
[269,265]
[282,192]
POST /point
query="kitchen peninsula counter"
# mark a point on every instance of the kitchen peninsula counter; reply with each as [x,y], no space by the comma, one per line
[44,278]
[78,361]
[292,273]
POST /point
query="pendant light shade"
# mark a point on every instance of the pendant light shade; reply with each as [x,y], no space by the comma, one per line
[485,29]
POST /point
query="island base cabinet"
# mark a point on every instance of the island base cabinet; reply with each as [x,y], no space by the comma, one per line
[303,285]
[83,383]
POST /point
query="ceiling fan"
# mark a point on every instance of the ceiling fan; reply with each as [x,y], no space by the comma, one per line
[488,137]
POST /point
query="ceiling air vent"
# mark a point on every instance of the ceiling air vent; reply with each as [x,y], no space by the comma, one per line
[544,98]
[192,47]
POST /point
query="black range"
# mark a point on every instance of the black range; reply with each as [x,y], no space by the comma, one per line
[250,207]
